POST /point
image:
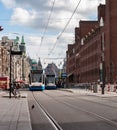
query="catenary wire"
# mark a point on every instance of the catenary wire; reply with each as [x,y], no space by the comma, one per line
[47,24]
[64,28]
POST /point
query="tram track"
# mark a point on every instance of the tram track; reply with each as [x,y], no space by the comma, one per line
[95,115]
[51,120]
[115,107]
[92,113]
[88,100]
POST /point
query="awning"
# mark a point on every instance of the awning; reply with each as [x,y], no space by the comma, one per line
[20,81]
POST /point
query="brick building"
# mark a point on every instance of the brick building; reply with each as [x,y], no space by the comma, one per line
[95,43]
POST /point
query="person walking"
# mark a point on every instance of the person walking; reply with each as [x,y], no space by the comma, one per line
[116,87]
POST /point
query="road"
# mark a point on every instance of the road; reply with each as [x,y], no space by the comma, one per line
[62,110]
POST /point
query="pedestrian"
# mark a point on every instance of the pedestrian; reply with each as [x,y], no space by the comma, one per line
[17,90]
[13,89]
[91,86]
[116,87]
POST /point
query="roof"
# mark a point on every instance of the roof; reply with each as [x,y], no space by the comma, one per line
[34,61]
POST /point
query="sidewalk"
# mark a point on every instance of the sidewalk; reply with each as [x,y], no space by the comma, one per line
[89,92]
[14,113]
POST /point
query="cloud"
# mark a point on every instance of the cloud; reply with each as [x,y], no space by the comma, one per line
[9,3]
[35,13]
[22,16]
[32,16]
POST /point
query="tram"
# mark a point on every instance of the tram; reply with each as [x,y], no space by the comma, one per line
[50,81]
[36,79]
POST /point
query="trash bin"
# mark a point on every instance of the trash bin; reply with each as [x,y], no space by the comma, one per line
[95,88]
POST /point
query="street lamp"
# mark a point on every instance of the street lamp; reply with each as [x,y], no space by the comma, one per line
[1,28]
[10,73]
[102,64]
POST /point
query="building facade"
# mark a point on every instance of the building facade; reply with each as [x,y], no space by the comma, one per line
[19,66]
[92,58]
[3,61]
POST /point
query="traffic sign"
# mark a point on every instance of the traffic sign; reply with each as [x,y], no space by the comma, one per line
[16,52]
[63,75]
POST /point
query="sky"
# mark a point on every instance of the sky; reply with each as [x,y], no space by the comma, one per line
[47,25]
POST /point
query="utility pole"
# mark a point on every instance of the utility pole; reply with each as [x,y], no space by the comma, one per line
[10,73]
[102,64]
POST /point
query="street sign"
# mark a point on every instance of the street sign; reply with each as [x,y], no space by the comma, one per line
[63,75]
[16,52]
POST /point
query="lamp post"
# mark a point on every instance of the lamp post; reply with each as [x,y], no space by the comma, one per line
[10,73]
[102,64]
[1,28]
[102,72]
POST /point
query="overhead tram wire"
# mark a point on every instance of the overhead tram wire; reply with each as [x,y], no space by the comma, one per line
[47,24]
[64,28]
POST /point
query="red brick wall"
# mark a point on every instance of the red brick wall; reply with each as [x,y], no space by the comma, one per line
[86,65]
[111,39]
[86,26]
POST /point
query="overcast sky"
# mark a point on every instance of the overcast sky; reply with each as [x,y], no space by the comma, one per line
[43,24]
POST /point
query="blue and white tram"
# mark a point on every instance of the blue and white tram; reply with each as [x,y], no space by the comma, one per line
[36,80]
[50,81]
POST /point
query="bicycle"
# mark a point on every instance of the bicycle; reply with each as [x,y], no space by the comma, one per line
[15,91]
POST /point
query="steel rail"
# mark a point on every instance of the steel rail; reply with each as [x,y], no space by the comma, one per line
[52,121]
[106,120]
[88,100]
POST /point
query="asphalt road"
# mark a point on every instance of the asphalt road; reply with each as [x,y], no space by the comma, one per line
[72,111]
